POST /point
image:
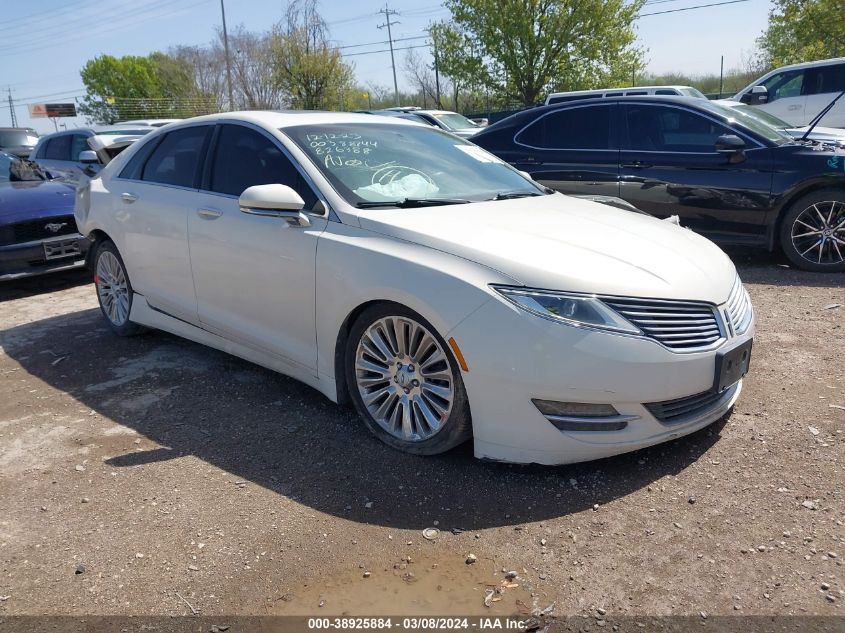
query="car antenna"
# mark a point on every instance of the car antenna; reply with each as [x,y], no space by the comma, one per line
[817,119]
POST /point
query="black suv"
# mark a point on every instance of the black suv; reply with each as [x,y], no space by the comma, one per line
[727,175]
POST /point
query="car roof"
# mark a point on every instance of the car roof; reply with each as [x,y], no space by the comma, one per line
[597,90]
[821,62]
[290,118]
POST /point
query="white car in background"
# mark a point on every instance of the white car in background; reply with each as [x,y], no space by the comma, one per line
[81,152]
[797,93]
[819,134]
[408,271]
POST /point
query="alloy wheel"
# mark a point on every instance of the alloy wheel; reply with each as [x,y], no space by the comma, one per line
[112,288]
[818,233]
[404,378]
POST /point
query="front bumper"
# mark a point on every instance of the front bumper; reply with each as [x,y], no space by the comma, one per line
[533,358]
[42,256]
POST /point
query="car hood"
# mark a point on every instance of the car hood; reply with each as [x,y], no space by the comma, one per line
[34,200]
[562,243]
[819,133]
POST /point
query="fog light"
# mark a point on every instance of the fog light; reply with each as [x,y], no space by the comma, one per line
[582,416]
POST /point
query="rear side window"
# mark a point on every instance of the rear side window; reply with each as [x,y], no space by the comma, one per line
[244,158]
[665,91]
[58,148]
[824,79]
[135,166]
[664,129]
[634,93]
[176,158]
[587,127]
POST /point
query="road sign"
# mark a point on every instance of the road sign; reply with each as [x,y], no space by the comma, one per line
[37,110]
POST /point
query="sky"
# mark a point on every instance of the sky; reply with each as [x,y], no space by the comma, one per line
[45,43]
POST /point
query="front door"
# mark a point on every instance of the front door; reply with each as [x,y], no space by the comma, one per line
[669,166]
[572,150]
[255,275]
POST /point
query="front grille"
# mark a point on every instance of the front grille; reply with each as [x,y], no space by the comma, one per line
[738,309]
[679,325]
[682,409]
[33,230]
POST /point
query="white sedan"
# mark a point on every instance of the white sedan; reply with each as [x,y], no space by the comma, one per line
[442,292]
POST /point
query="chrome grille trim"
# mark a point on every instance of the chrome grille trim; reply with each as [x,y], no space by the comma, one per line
[681,326]
[738,310]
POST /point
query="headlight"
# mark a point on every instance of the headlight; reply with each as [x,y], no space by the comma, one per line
[573,309]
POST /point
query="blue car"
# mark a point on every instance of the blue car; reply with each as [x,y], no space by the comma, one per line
[38,233]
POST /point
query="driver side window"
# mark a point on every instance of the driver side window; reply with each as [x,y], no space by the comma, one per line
[664,129]
[783,85]
[244,158]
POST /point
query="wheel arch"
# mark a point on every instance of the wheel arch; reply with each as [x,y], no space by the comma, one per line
[97,237]
[794,197]
[343,397]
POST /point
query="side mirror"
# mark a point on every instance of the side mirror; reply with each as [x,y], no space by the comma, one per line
[89,157]
[755,96]
[730,145]
[275,201]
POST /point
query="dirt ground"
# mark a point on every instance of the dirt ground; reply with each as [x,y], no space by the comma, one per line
[152,476]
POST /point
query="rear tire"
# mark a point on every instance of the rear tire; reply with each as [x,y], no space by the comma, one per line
[114,290]
[405,382]
[812,233]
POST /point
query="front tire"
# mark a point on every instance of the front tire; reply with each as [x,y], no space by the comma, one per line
[114,290]
[405,382]
[812,233]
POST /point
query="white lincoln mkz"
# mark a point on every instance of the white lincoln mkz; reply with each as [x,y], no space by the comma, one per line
[442,292]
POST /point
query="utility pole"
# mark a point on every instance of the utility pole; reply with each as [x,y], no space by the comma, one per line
[387,12]
[436,69]
[721,75]
[228,60]
[12,109]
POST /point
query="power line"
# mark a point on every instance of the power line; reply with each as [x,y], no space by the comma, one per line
[384,50]
[700,6]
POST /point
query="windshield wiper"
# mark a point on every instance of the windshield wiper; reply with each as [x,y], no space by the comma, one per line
[511,195]
[408,203]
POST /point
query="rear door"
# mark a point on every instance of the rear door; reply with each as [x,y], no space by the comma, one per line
[669,166]
[573,149]
[154,194]
[821,85]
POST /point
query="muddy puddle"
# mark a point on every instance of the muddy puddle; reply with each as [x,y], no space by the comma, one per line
[421,586]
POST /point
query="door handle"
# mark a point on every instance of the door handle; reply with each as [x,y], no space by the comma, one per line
[128,198]
[209,214]
[529,160]
[637,164]
[794,107]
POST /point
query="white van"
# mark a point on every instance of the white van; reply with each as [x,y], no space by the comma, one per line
[681,91]
[799,92]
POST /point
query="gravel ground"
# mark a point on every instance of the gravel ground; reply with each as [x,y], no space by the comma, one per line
[152,476]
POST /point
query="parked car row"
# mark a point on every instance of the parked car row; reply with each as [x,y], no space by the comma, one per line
[728,174]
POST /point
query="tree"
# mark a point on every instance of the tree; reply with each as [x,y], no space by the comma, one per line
[134,87]
[804,30]
[306,68]
[520,49]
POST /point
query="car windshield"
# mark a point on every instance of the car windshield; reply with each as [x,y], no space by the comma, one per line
[692,92]
[373,163]
[764,116]
[14,169]
[16,138]
[454,121]
[751,122]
